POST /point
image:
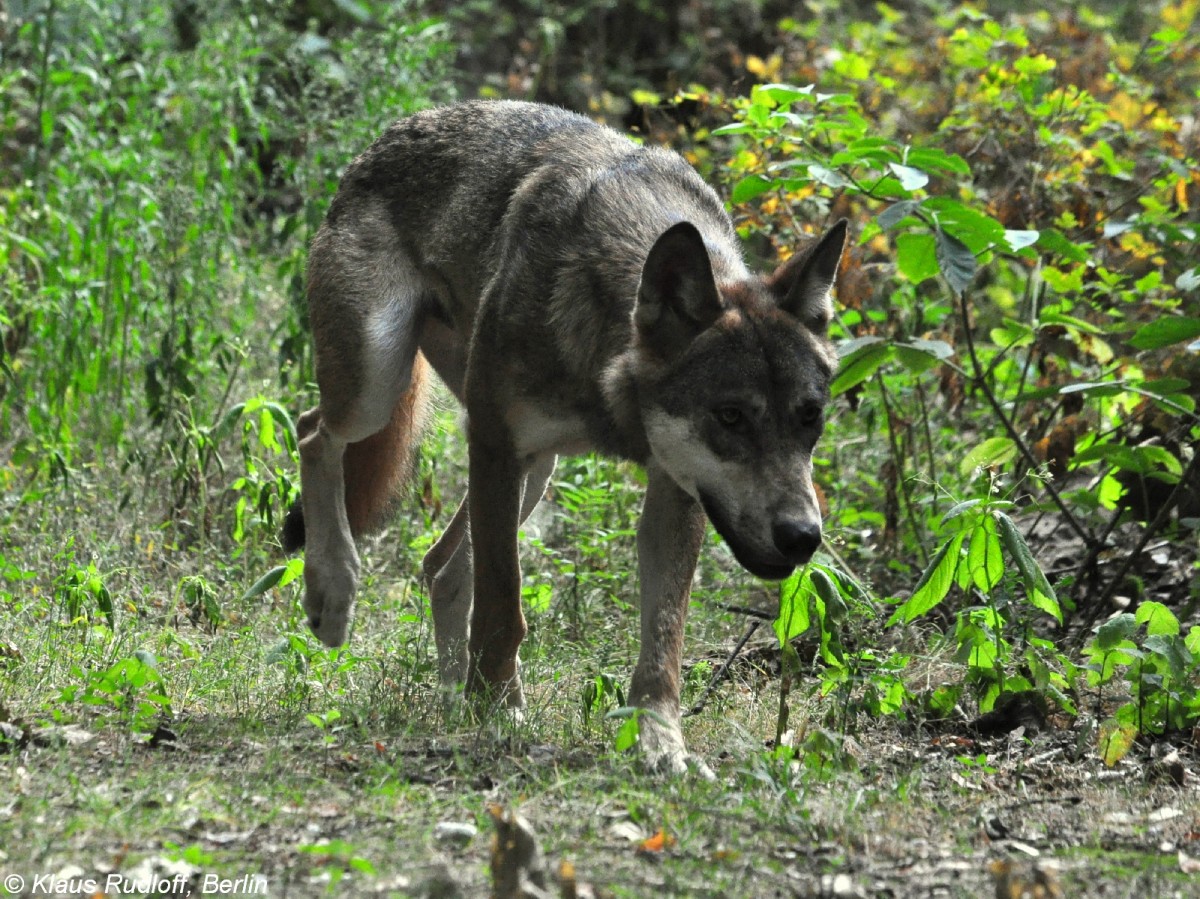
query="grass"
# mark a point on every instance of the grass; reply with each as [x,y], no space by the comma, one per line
[329,771]
[161,716]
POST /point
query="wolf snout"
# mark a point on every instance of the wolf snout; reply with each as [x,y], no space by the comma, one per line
[796,540]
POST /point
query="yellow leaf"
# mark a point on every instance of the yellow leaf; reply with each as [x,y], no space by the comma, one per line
[765,69]
[1180,16]
[1096,348]
[1125,110]
[1116,739]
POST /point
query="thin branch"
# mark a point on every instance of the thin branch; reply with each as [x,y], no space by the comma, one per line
[720,675]
[1152,529]
[1022,447]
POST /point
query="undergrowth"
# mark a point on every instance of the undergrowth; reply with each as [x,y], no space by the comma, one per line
[1016,418]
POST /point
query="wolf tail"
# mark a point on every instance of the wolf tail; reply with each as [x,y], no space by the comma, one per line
[375,468]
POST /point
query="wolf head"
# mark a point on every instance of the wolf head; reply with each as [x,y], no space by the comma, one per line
[734,382]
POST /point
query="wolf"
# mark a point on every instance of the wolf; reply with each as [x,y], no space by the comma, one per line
[575,291]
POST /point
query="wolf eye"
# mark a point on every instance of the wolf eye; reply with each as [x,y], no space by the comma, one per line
[810,414]
[729,416]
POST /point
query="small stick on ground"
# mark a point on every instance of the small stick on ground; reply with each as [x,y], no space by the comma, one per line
[720,675]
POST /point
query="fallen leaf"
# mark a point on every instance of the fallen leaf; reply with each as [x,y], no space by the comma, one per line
[627,831]
[454,833]
[657,843]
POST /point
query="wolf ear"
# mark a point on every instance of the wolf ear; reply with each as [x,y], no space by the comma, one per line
[803,283]
[678,296]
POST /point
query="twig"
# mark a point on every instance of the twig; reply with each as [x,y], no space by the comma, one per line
[1153,528]
[905,492]
[748,611]
[720,675]
[983,385]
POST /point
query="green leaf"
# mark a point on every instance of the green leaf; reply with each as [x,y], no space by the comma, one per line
[916,256]
[919,355]
[1095,388]
[959,509]
[266,582]
[282,417]
[827,176]
[976,229]
[1115,631]
[750,187]
[1012,334]
[993,451]
[1115,741]
[147,658]
[984,560]
[896,213]
[537,596]
[293,569]
[1165,332]
[793,619]
[1157,618]
[829,590]
[935,582]
[1037,588]
[1165,387]
[735,128]
[931,158]
[1055,242]
[956,261]
[1141,460]
[860,365]
[1172,649]
[628,734]
[780,94]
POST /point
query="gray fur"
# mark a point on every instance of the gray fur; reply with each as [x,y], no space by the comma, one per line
[574,290]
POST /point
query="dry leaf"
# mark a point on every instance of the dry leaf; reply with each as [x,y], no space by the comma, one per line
[657,843]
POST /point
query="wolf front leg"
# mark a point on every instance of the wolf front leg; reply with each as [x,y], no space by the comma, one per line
[668,539]
[331,566]
[497,622]
[448,575]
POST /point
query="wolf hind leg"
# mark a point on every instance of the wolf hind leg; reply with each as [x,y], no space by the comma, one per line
[449,576]
[359,441]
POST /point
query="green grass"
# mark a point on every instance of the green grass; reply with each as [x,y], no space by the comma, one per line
[155,354]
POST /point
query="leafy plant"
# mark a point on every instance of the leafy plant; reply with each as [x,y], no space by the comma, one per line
[80,590]
[601,695]
[1161,669]
[132,687]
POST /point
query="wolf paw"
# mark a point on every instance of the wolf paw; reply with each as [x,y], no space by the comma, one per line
[329,601]
[663,751]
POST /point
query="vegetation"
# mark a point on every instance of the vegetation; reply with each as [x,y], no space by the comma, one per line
[1007,603]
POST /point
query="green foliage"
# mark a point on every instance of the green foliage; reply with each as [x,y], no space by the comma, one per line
[150,172]
[601,695]
[80,591]
[1161,668]
[1003,282]
[132,687]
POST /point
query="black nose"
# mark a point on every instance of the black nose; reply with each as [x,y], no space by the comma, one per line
[796,540]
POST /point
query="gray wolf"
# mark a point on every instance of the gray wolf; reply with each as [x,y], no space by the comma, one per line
[575,291]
